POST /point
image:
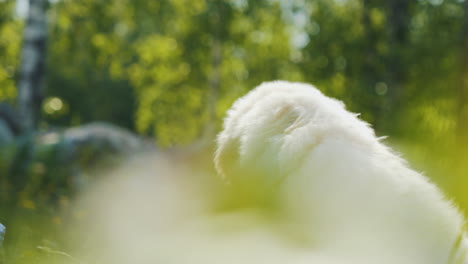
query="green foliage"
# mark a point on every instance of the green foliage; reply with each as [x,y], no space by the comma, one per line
[170,69]
[155,61]
[150,66]
[10,40]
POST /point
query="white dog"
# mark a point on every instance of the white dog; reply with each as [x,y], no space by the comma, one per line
[351,195]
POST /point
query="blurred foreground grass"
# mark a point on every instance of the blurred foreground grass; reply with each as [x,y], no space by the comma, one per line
[46,231]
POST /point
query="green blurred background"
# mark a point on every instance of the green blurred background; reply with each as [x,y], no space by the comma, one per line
[169,69]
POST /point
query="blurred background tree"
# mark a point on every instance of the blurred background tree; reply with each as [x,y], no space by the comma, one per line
[169,69]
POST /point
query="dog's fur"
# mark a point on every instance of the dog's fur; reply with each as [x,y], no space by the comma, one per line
[349,193]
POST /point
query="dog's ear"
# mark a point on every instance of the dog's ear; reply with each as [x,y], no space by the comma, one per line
[261,145]
[289,122]
[288,118]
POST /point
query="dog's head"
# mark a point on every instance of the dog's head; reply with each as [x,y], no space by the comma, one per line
[269,131]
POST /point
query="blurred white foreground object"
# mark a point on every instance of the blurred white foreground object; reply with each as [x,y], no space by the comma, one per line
[307,183]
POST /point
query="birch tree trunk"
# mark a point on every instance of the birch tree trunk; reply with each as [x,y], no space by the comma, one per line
[32,66]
